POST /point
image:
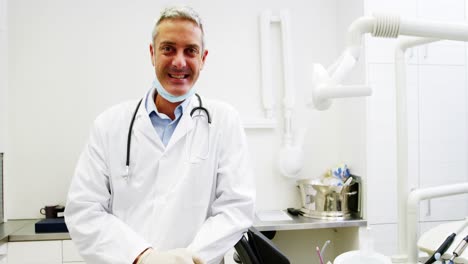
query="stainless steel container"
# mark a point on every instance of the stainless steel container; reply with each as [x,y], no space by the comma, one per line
[330,202]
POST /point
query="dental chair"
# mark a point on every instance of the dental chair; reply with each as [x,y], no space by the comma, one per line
[256,248]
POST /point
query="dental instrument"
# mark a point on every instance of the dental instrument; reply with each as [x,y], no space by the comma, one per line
[322,251]
[459,249]
[294,211]
[441,250]
[348,181]
[446,244]
[317,249]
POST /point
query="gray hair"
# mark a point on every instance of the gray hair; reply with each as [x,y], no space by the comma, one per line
[179,12]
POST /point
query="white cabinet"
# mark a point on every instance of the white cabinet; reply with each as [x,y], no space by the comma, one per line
[3,252]
[70,253]
[441,115]
[43,252]
[443,140]
[388,245]
[442,53]
[35,252]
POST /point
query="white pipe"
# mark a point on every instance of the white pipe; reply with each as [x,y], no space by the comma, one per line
[434,29]
[343,66]
[402,147]
[290,162]
[342,91]
[356,31]
[386,26]
[265,53]
[413,211]
[291,155]
[289,97]
[402,136]
[289,92]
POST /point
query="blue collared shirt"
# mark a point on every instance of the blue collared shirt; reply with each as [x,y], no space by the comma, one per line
[162,123]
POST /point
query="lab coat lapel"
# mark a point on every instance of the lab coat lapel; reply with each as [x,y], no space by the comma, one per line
[143,125]
[185,125]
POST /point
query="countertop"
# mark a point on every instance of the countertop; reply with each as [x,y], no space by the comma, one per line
[23,230]
[27,233]
[7,229]
[301,222]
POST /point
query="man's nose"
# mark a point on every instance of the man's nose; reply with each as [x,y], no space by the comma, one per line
[179,60]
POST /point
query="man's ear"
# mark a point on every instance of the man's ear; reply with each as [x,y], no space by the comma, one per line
[204,55]
[151,53]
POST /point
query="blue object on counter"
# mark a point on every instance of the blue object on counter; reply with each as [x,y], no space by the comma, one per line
[341,173]
[51,225]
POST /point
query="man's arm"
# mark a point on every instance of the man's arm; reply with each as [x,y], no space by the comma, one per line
[232,211]
[99,236]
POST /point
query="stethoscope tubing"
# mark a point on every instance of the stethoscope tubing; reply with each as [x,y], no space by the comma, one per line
[130,129]
[129,137]
[200,107]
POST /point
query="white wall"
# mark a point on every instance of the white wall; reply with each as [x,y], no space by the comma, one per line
[3,74]
[68,61]
[352,111]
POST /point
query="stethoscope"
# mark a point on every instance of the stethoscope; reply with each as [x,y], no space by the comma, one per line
[129,138]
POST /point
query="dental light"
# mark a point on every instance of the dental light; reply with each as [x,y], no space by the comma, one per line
[326,86]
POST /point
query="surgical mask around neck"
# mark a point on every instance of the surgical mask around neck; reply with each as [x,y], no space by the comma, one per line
[169,97]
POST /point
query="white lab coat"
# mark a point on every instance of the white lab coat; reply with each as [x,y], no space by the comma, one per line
[167,202]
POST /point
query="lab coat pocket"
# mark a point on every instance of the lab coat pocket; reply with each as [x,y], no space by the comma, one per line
[125,195]
[197,185]
[198,142]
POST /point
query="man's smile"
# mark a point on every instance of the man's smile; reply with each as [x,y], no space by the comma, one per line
[179,76]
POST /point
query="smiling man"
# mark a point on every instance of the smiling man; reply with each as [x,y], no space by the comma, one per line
[166,179]
[178,55]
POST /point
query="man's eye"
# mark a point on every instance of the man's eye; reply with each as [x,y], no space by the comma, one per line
[192,51]
[166,49]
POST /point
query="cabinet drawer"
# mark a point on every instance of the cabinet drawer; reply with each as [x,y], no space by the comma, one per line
[32,252]
[70,252]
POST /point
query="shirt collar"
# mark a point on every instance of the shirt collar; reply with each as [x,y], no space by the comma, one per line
[151,106]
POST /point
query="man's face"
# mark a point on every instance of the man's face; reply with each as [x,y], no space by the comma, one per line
[177,55]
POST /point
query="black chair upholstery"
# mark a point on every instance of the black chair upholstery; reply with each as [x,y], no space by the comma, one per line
[258,249]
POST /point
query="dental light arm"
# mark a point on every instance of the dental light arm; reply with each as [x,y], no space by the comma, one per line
[326,83]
